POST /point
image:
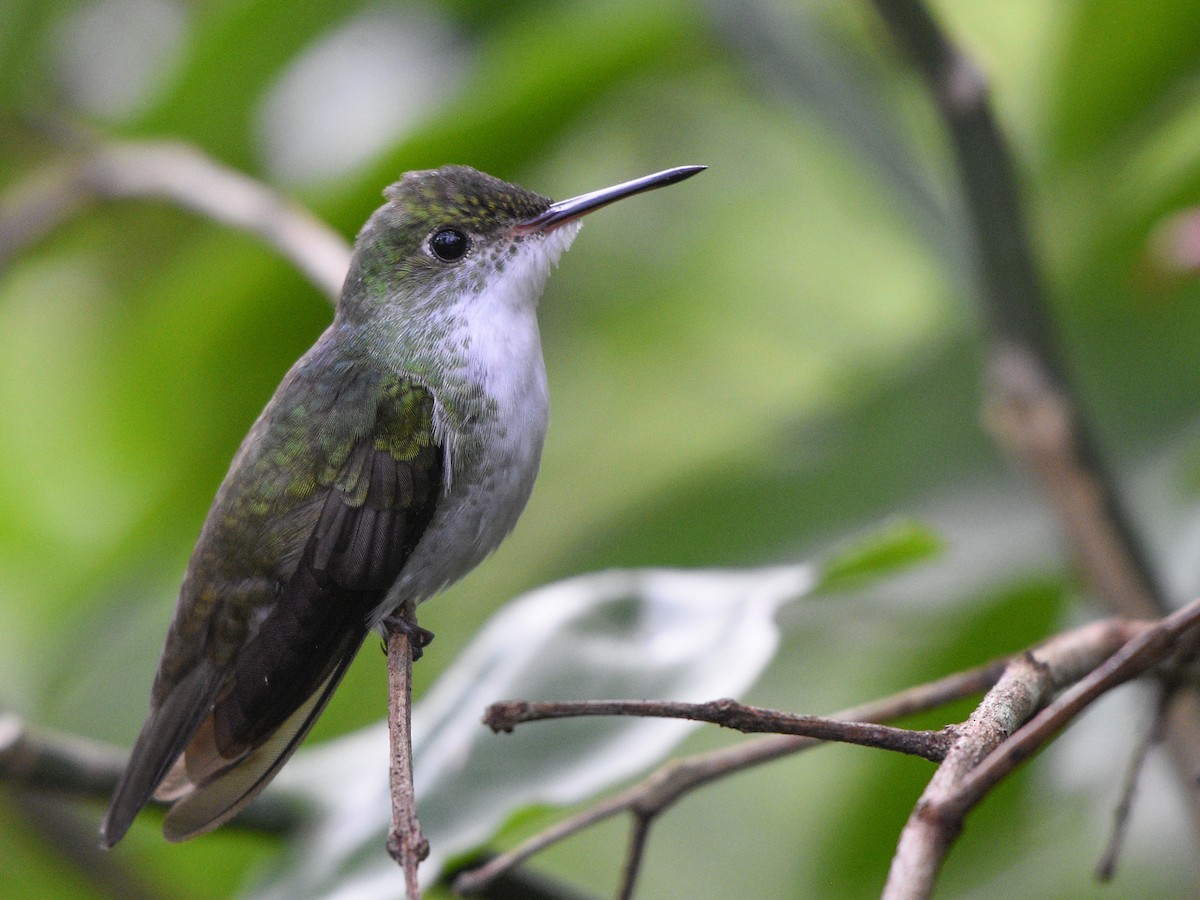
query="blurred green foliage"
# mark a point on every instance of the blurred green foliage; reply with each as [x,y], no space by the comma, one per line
[744,369]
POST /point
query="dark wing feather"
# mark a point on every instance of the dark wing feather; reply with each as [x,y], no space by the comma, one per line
[166,731]
[223,721]
[200,806]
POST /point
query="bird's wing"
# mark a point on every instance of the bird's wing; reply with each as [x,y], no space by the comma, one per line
[326,500]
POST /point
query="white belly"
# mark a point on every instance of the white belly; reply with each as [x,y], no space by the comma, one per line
[491,464]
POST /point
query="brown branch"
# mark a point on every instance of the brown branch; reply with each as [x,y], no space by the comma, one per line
[931,745]
[38,760]
[406,844]
[638,835]
[1091,664]
[1106,868]
[1108,652]
[1016,687]
[664,787]
[927,836]
[178,173]
[1030,404]
[1151,645]
[1032,420]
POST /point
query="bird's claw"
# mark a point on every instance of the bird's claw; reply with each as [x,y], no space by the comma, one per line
[418,638]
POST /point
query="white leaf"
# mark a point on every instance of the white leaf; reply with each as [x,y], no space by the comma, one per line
[625,634]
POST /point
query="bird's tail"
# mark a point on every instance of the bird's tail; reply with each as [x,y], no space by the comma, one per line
[162,739]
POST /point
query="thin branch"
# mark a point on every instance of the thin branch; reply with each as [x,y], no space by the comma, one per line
[38,760]
[1014,301]
[671,782]
[1154,644]
[1031,406]
[178,173]
[64,831]
[927,836]
[31,761]
[931,745]
[406,844]
[1106,868]
[986,753]
[638,836]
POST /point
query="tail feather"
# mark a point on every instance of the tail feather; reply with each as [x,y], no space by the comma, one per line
[218,738]
[164,735]
[209,790]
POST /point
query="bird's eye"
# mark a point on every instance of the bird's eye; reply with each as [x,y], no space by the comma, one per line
[449,244]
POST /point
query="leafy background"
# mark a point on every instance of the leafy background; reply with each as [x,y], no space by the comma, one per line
[749,368]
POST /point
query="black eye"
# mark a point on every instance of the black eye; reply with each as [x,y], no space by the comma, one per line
[449,244]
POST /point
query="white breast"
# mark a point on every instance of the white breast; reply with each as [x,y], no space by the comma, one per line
[492,463]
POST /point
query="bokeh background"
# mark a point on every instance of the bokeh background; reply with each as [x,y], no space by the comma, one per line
[749,368]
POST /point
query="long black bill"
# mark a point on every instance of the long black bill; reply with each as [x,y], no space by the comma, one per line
[569,210]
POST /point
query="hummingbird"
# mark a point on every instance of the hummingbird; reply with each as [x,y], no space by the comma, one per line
[395,455]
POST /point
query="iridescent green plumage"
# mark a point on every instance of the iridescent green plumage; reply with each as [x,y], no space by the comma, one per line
[323,505]
[318,437]
[325,501]
[396,454]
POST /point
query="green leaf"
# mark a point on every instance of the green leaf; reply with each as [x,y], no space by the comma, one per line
[896,546]
[1121,65]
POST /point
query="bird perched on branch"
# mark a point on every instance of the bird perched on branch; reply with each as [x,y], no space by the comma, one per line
[396,454]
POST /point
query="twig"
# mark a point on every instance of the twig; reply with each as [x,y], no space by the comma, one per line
[677,778]
[638,836]
[1026,372]
[406,843]
[181,174]
[728,713]
[1064,657]
[1106,868]
[928,835]
[986,754]
[43,761]
[64,832]
[1031,406]
[1152,645]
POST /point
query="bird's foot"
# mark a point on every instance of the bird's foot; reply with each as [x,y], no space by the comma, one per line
[418,638]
